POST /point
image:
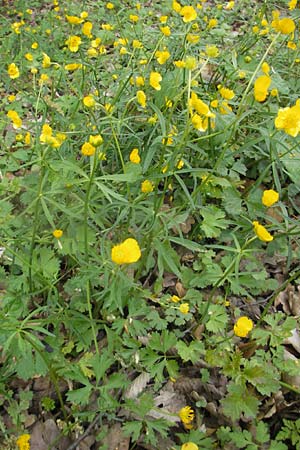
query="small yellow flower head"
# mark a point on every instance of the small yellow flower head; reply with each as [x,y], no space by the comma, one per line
[134,156]
[212,51]
[87,29]
[229,6]
[243,326]
[184,308]
[74,20]
[179,64]
[227,94]
[34,45]
[188,14]
[13,71]
[186,415]
[155,79]
[23,442]
[89,101]
[292,4]
[193,38]
[87,149]
[163,19]
[72,67]
[261,232]
[261,87]
[274,92]
[269,197]
[46,61]
[28,56]
[147,187]
[288,119]
[96,140]
[134,18]
[140,81]
[175,299]
[265,68]
[141,98]
[212,23]
[73,43]
[15,118]
[166,31]
[292,45]
[284,25]
[189,446]
[137,44]
[58,233]
[84,14]
[110,5]
[190,62]
[176,6]
[180,164]
[127,252]
[162,56]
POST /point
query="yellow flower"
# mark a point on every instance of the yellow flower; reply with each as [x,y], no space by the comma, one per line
[127,252]
[189,14]
[73,43]
[291,45]
[228,94]
[87,29]
[229,6]
[166,30]
[110,5]
[28,56]
[175,299]
[27,138]
[147,187]
[176,6]
[163,19]
[243,326]
[261,232]
[15,118]
[134,18]
[184,308]
[137,44]
[189,446]
[141,98]
[73,20]
[134,156]
[269,197]
[58,233]
[96,140]
[274,92]
[212,23]
[190,62]
[265,68]
[186,415]
[212,51]
[284,26]
[155,79]
[87,149]
[23,442]
[292,4]
[140,81]
[34,45]
[162,56]
[84,14]
[72,67]
[89,101]
[46,134]
[13,71]
[288,119]
[179,64]
[261,87]
[46,61]
[193,38]
[180,164]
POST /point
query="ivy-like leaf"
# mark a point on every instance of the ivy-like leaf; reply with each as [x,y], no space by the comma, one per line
[239,401]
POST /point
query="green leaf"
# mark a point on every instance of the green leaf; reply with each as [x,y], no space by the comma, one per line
[262,433]
[167,258]
[239,401]
[132,429]
[80,396]
[264,377]
[218,318]
[213,221]
[190,352]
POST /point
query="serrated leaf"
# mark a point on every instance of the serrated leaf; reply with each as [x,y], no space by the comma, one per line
[80,396]
[213,221]
[264,378]
[218,318]
[190,352]
[239,401]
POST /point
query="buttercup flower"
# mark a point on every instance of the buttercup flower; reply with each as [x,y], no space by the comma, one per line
[261,87]
[58,233]
[15,118]
[134,156]
[284,25]
[189,446]
[141,98]
[184,308]
[89,101]
[87,149]
[226,93]
[261,232]
[186,415]
[127,252]
[162,56]
[13,71]
[73,20]
[23,442]
[269,197]
[96,140]
[288,119]
[155,79]
[73,43]
[147,187]
[243,326]
[188,13]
